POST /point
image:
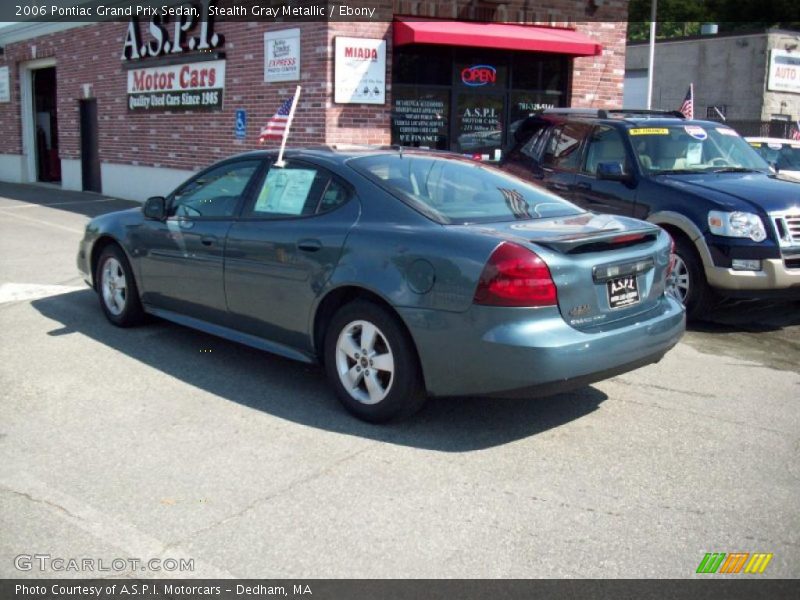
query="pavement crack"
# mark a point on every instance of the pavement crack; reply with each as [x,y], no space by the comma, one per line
[263,499]
[663,388]
[32,498]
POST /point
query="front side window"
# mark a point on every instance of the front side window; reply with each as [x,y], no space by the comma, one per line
[693,149]
[458,191]
[605,145]
[563,150]
[215,193]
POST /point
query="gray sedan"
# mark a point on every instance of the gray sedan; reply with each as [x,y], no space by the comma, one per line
[406,274]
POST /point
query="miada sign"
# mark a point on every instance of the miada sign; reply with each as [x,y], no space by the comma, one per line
[191,86]
[784,72]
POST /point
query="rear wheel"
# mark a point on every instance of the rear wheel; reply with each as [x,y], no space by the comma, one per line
[687,282]
[119,296]
[371,363]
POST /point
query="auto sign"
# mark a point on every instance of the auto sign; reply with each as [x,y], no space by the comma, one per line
[478,75]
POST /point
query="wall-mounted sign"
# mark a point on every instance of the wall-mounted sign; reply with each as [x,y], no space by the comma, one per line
[479,75]
[360,71]
[784,71]
[240,124]
[168,38]
[5,86]
[282,55]
[192,86]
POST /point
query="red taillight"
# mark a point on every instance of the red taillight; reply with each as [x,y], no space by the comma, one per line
[515,276]
[671,264]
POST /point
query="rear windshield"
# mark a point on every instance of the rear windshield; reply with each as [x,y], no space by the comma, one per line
[459,191]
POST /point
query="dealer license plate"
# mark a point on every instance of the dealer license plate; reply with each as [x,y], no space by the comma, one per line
[622,291]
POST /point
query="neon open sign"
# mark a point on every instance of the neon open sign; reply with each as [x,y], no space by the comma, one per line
[478,75]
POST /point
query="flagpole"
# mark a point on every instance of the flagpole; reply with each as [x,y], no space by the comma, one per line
[279,162]
[652,55]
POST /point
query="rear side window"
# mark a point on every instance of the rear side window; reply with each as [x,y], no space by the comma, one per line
[297,190]
[455,190]
[563,148]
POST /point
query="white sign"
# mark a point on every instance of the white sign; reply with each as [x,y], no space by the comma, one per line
[191,86]
[5,87]
[784,71]
[360,71]
[282,55]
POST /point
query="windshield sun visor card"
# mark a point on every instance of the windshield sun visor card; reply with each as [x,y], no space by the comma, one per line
[696,132]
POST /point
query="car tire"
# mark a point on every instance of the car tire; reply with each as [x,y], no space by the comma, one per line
[116,288]
[387,383]
[688,283]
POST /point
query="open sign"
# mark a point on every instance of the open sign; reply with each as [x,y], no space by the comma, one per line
[478,75]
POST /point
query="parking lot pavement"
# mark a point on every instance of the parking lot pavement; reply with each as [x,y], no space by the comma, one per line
[162,442]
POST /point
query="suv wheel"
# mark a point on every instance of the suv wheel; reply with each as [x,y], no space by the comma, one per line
[687,282]
[372,364]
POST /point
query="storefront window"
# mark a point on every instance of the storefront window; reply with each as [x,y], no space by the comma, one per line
[420,117]
[469,100]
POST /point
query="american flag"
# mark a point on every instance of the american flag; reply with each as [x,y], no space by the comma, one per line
[687,108]
[795,135]
[516,203]
[276,126]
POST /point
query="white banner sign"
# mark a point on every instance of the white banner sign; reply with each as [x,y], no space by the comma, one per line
[191,86]
[360,71]
[784,71]
[282,55]
[5,87]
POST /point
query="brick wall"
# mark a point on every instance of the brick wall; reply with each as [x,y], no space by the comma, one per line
[187,140]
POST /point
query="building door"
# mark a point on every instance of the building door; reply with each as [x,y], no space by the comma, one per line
[90,155]
[45,125]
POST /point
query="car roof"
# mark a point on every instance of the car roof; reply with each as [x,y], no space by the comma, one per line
[625,118]
[343,152]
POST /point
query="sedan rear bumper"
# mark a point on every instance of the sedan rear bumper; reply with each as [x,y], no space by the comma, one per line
[507,351]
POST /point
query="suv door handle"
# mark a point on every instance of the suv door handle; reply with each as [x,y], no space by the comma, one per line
[586,187]
[309,245]
[559,186]
[208,240]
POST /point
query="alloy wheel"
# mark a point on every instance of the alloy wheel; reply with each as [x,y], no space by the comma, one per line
[678,281]
[364,362]
[114,286]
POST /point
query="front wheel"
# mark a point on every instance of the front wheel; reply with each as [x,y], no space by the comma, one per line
[371,363]
[119,296]
[687,281]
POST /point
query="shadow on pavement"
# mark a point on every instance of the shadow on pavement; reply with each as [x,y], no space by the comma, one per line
[300,393]
[752,316]
[83,203]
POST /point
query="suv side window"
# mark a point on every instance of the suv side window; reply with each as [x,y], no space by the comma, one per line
[605,145]
[215,193]
[563,148]
[533,146]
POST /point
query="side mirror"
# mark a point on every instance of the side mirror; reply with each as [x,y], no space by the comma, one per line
[612,171]
[155,208]
[775,166]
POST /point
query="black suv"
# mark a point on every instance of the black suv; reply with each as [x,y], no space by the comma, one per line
[736,225]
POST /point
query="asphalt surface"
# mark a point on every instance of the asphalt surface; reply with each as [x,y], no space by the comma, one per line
[162,442]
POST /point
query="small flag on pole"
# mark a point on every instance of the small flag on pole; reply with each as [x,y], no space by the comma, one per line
[687,108]
[275,128]
[796,131]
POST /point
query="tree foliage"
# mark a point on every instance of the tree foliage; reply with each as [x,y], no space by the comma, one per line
[680,18]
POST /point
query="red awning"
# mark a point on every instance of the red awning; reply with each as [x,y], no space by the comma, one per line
[506,36]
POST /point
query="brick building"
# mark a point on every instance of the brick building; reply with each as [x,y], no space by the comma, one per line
[111,107]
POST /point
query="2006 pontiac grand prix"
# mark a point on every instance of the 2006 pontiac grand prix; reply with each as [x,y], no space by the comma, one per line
[405,273]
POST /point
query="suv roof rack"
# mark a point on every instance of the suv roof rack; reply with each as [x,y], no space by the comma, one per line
[602,113]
